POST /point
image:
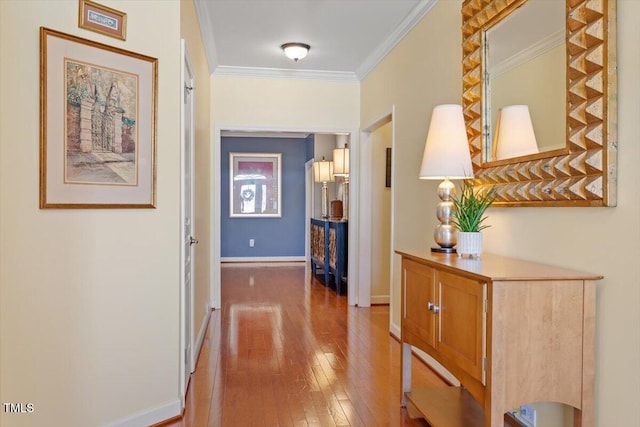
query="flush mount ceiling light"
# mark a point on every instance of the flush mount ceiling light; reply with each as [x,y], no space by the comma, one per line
[295,51]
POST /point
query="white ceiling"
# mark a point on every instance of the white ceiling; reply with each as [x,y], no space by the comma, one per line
[347,37]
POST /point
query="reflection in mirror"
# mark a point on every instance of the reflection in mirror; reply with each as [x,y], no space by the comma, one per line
[583,171]
[525,63]
[514,133]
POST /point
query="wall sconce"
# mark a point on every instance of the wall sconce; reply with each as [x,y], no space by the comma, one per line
[295,51]
[514,133]
[341,168]
[446,156]
[323,172]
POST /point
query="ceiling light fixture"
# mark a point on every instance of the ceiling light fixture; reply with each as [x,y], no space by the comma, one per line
[295,51]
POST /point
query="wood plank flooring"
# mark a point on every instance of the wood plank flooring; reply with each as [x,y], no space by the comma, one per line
[286,351]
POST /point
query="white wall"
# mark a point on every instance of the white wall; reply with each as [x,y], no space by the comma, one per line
[285,103]
[89,303]
[424,70]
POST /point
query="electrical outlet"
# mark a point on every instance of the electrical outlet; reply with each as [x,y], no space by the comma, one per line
[251,243]
[527,415]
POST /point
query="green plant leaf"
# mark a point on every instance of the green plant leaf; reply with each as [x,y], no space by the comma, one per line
[470,206]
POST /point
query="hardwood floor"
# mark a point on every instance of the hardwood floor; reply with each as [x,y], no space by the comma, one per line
[286,351]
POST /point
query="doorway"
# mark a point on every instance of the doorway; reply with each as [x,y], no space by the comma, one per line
[378,134]
[381,188]
[216,212]
[187,226]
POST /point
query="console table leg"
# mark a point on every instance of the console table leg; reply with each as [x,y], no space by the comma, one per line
[405,362]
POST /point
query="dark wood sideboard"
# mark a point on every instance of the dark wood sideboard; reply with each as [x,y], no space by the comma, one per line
[329,251]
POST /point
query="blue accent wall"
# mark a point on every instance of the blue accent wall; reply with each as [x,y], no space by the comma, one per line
[310,143]
[274,237]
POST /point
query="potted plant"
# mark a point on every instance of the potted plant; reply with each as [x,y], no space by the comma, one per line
[469,216]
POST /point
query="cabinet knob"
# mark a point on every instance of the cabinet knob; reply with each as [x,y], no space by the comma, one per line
[431,306]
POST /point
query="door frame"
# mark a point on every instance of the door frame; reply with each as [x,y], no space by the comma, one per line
[309,197]
[216,203]
[186,298]
[365,197]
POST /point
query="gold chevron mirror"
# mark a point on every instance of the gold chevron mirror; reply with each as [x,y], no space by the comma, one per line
[574,163]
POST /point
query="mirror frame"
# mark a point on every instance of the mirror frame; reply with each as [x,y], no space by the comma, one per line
[584,172]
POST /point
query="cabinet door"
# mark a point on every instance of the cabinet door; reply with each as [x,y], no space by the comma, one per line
[462,323]
[418,290]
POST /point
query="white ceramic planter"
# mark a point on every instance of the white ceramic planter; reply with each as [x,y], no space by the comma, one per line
[469,244]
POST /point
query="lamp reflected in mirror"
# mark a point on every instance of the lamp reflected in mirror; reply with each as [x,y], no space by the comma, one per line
[525,61]
[514,135]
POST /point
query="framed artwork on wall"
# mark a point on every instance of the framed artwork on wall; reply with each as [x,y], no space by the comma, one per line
[102,19]
[97,124]
[387,174]
[255,185]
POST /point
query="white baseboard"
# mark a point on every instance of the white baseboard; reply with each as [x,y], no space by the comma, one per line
[264,259]
[150,417]
[380,299]
[394,330]
[200,338]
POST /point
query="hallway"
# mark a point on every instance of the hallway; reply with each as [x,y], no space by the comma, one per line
[286,351]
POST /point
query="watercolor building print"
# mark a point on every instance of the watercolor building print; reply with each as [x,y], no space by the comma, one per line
[101,112]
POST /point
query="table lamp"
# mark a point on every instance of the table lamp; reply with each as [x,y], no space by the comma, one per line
[446,156]
[341,168]
[323,172]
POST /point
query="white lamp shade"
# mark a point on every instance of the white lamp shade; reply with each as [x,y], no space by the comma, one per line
[446,151]
[295,51]
[341,162]
[323,171]
[514,134]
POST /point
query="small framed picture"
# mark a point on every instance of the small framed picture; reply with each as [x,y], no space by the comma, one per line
[102,19]
[255,185]
[387,175]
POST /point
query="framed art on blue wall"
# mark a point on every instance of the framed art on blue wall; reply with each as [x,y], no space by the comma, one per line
[255,185]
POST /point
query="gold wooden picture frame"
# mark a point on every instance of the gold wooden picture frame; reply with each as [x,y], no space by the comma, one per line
[102,19]
[98,108]
[584,172]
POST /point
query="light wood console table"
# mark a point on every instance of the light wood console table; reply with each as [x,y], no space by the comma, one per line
[511,331]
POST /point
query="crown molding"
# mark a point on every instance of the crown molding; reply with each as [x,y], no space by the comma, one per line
[407,24]
[282,73]
[206,32]
[525,55]
[262,134]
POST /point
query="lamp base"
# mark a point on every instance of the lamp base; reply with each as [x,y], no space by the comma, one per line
[444,250]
